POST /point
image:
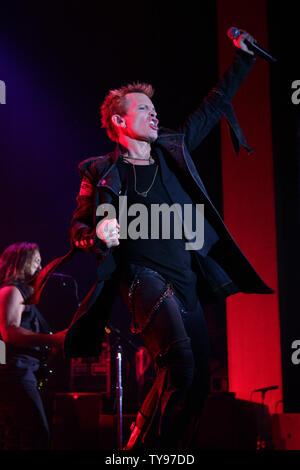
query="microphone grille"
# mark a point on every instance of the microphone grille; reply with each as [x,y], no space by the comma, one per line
[233,32]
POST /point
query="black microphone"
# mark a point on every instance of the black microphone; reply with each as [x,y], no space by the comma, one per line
[61,275]
[266,389]
[234,33]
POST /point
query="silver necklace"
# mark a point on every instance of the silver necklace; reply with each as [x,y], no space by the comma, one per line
[125,159]
[144,193]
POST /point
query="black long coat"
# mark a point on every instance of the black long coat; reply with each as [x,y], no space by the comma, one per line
[222,268]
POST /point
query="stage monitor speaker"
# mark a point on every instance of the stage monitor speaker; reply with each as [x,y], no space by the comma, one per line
[84,421]
[232,424]
[286,431]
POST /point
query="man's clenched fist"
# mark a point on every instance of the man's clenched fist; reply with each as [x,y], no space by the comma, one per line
[108,231]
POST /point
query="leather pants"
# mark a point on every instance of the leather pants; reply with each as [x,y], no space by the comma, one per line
[178,343]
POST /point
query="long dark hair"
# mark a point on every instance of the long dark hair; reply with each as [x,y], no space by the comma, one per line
[14,260]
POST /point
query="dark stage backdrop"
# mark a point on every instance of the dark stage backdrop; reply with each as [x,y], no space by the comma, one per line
[58,60]
[285,100]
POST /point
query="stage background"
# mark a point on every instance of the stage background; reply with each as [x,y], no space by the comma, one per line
[58,60]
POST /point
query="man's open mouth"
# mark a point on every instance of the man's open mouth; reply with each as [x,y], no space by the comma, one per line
[153,124]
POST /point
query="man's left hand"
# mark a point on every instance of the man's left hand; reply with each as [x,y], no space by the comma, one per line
[240,41]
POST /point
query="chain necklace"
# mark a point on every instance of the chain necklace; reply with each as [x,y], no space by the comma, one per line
[141,159]
[125,159]
[144,193]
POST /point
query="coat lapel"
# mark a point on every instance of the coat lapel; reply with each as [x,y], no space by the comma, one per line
[175,146]
[111,177]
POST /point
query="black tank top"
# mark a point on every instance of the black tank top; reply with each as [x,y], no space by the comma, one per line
[21,358]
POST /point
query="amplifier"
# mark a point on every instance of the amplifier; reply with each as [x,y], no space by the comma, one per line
[92,374]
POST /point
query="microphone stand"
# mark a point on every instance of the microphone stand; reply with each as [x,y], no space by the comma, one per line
[67,276]
[260,441]
[119,396]
[119,337]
